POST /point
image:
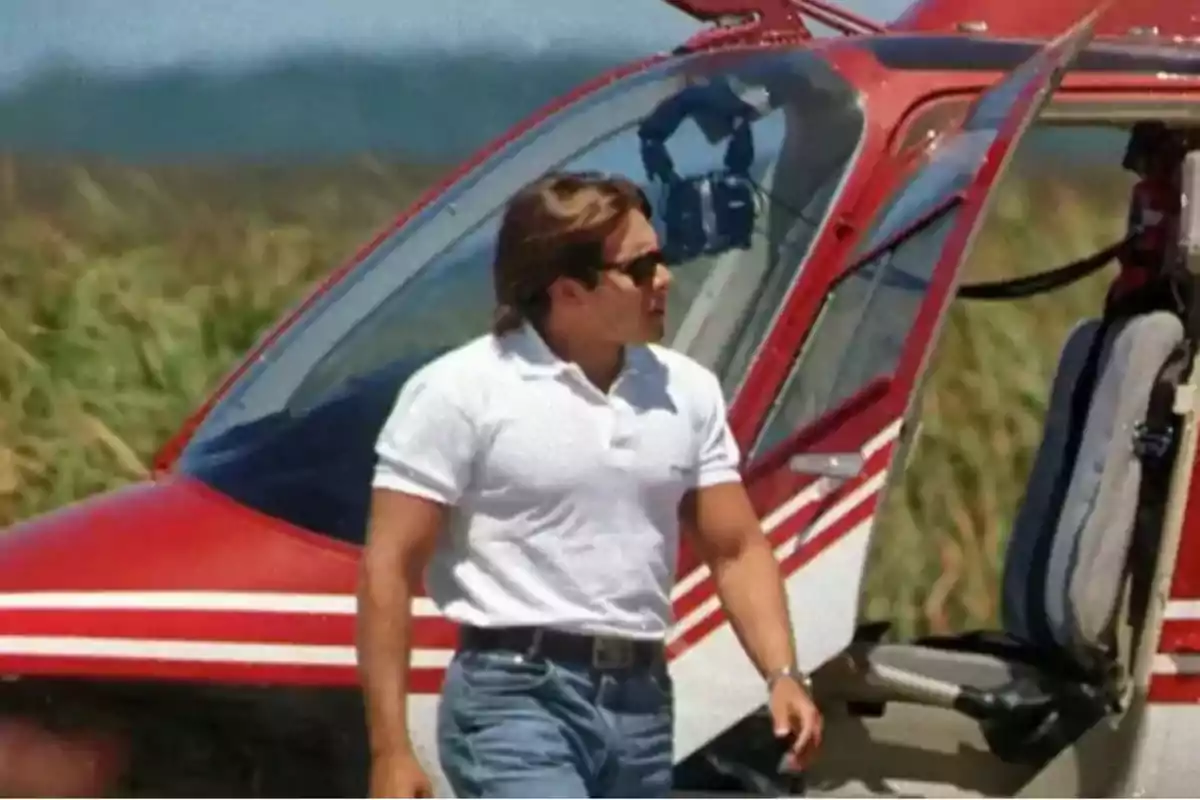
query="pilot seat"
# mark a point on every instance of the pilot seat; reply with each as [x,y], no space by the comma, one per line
[1079,558]
[1083,547]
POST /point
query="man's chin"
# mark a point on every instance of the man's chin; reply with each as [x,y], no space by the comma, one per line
[656,329]
[652,330]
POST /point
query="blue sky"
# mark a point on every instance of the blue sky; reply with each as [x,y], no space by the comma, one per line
[132,35]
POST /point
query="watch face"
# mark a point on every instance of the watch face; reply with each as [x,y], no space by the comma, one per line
[788,672]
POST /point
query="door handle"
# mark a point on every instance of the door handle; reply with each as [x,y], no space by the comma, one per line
[842,466]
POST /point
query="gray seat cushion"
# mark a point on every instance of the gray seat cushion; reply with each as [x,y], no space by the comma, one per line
[1074,592]
[976,670]
[1087,567]
[1034,519]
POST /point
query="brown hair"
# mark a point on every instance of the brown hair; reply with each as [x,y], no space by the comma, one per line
[555,227]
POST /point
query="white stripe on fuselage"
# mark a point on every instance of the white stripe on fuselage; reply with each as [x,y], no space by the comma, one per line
[252,602]
[1182,610]
[202,651]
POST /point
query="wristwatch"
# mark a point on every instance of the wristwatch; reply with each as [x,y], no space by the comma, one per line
[794,673]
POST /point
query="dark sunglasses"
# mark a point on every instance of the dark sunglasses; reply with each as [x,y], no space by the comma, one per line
[640,269]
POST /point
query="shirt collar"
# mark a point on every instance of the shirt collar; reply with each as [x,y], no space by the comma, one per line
[528,351]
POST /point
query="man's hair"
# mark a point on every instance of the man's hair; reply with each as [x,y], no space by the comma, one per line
[552,228]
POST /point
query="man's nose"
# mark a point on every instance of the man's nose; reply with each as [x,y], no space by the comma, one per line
[662,278]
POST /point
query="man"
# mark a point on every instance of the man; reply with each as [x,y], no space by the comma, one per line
[541,473]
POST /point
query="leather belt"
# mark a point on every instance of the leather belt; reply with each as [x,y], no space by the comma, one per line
[597,652]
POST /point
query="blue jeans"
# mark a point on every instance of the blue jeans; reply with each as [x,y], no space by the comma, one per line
[511,727]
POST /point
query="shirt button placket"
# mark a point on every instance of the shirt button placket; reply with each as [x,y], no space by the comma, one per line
[622,440]
[607,423]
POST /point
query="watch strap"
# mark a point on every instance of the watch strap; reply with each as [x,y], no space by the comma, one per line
[774,676]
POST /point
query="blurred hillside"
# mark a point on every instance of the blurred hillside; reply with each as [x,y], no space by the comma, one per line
[419,107]
[423,106]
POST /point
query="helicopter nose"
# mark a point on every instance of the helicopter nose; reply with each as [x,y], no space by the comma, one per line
[169,579]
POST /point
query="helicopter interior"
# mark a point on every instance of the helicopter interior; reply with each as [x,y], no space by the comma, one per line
[983,712]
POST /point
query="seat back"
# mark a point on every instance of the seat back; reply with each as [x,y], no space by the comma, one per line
[1066,564]
[1034,524]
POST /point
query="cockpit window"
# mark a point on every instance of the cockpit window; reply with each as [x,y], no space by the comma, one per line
[294,437]
[868,316]
[860,332]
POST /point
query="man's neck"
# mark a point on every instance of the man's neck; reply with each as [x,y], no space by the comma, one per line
[600,361]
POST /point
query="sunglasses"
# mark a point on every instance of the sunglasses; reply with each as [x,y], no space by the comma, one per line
[640,269]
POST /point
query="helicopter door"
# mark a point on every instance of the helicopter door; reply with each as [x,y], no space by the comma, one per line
[824,451]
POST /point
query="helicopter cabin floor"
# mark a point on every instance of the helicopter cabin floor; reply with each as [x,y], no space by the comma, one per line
[1148,751]
[909,751]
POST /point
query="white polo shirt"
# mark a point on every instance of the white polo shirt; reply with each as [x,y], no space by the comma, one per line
[565,500]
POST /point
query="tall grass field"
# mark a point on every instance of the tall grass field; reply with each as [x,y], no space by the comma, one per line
[125,294]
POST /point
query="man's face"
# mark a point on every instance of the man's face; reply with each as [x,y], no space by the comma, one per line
[627,310]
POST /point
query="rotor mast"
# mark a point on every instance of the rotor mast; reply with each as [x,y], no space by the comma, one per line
[776,16]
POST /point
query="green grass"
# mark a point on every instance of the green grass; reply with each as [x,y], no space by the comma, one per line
[939,545]
[126,294]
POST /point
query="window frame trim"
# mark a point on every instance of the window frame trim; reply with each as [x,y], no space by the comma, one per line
[1065,108]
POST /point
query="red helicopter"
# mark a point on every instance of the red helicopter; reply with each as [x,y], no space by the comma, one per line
[818,196]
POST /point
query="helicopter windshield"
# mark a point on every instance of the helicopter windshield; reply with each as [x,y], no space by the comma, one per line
[294,436]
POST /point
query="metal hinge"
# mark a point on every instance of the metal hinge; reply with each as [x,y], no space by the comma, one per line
[1185,400]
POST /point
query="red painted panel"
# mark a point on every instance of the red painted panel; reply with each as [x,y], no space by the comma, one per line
[172,535]
[1174,689]
[1185,583]
[1039,19]
[1180,636]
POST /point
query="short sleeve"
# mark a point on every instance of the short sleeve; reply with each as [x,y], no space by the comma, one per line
[718,458]
[427,445]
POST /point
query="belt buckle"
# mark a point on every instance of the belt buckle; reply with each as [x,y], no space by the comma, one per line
[612,653]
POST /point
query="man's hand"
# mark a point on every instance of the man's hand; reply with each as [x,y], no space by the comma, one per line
[793,713]
[399,775]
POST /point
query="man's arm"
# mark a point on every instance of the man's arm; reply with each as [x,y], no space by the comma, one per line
[729,538]
[425,451]
[751,589]
[401,535]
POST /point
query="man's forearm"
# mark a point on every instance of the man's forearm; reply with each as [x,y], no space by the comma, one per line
[751,590]
[384,625]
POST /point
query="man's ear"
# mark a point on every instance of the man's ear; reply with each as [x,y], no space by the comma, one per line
[566,292]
